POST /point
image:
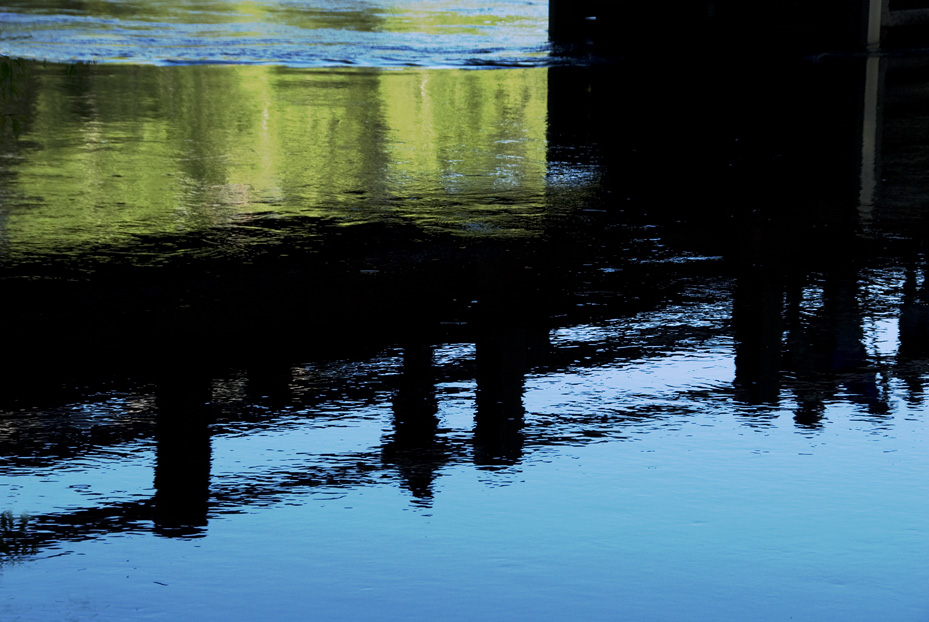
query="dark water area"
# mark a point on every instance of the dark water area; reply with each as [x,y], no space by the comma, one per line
[637,339]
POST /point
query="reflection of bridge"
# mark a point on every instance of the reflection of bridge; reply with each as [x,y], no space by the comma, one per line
[319,301]
[784,341]
[815,26]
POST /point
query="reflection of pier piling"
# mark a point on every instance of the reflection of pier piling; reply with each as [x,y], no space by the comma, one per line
[913,356]
[501,359]
[501,351]
[414,448]
[811,344]
[182,470]
[870,138]
[758,321]
[914,313]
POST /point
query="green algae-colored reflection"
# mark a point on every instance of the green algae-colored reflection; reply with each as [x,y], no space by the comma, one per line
[116,152]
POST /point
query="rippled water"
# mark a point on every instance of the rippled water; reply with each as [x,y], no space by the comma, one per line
[416,343]
[197,148]
[639,485]
[296,33]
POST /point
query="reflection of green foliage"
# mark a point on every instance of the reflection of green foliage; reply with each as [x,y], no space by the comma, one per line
[12,71]
[119,152]
[15,540]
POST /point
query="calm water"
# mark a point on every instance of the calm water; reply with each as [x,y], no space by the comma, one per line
[288,339]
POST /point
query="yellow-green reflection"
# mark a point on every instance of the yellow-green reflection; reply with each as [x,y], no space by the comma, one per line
[118,152]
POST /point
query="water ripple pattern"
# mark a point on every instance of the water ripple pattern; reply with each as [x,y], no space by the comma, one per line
[296,33]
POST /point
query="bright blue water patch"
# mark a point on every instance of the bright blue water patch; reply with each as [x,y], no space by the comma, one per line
[693,519]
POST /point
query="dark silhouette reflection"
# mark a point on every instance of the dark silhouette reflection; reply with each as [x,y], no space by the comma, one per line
[500,349]
[16,539]
[623,240]
[414,448]
[807,334]
[758,323]
[182,468]
[913,353]
[914,313]
[826,348]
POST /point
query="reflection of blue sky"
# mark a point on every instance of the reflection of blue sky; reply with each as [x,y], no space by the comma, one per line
[434,33]
[111,475]
[664,373]
[642,488]
[604,530]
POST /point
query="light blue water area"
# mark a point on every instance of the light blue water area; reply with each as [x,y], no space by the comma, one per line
[378,33]
[699,522]
[629,502]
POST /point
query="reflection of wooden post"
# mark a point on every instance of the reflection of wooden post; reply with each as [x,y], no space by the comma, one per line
[414,449]
[509,321]
[913,353]
[415,405]
[870,138]
[914,315]
[182,467]
[757,316]
[501,364]
[875,16]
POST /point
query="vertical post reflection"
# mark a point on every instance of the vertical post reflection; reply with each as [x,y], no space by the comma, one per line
[500,350]
[913,325]
[414,448]
[182,466]
[870,137]
[825,349]
[758,322]
[850,357]
[876,10]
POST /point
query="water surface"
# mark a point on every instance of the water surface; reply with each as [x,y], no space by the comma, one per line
[296,33]
[434,343]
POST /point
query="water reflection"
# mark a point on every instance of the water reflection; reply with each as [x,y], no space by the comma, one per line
[293,32]
[198,148]
[805,334]
[182,467]
[822,360]
[344,281]
[416,449]
[913,328]
[16,541]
